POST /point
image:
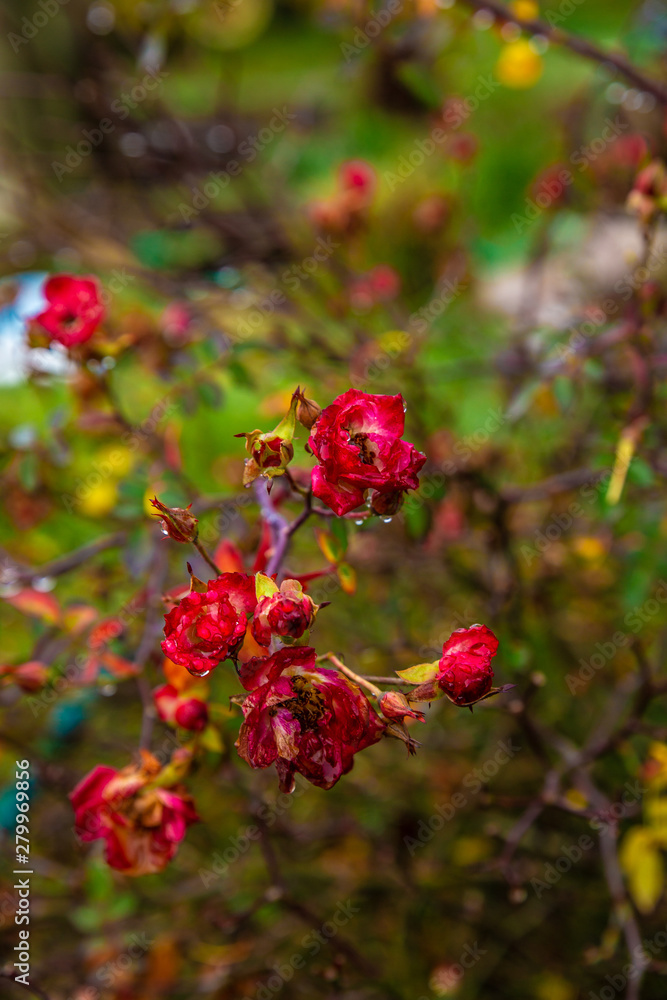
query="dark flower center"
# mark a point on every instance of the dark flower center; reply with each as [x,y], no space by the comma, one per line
[366,453]
[308,704]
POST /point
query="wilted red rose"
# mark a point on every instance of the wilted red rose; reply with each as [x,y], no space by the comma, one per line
[357,442]
[75,309]
[180,709]
[141,823]
[303,719]
[286,613]
[206,628]
[464,670]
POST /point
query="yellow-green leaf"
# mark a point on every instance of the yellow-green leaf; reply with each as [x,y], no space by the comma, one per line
[210,739]
[347,577]
[264,586]
[331,548]
[420,673]
[642,863]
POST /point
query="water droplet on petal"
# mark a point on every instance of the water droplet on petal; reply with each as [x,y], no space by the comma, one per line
[359,520]
[386,520]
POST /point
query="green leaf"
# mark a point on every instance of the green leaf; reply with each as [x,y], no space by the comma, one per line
[420,673]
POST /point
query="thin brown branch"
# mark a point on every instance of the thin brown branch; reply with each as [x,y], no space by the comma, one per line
[581,46]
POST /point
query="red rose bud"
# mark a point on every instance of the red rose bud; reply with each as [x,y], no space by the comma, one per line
[270,453]
[178,523]
[303,719]
[179,709]
[206,628]
[464,670]
[395,706]
[358,444]
[74,310]
[141,822]
[286,613]
[307,411]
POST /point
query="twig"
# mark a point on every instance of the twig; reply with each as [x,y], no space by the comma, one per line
[32,988]
[576,44]
[25,575]
[281,529]
[357,678]
[206,557]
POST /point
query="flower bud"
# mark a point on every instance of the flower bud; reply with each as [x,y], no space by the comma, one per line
[270,453]
[394,705]
[178,523]
[307,411]
[465,674]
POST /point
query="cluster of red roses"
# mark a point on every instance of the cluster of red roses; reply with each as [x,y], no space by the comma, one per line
[298,715]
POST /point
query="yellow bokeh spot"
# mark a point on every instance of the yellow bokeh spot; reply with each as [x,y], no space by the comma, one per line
[99,500]
[576,798]
[554,987]
[470,850]
[152,491]
[519,65]
[590,548]
[116,459]
[525,10]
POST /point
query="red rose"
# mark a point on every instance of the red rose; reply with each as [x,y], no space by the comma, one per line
[464,670]
[303,719]
[286,613]
[180,709]
[141,824]
[204,629]
[75,309]
[357,442]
